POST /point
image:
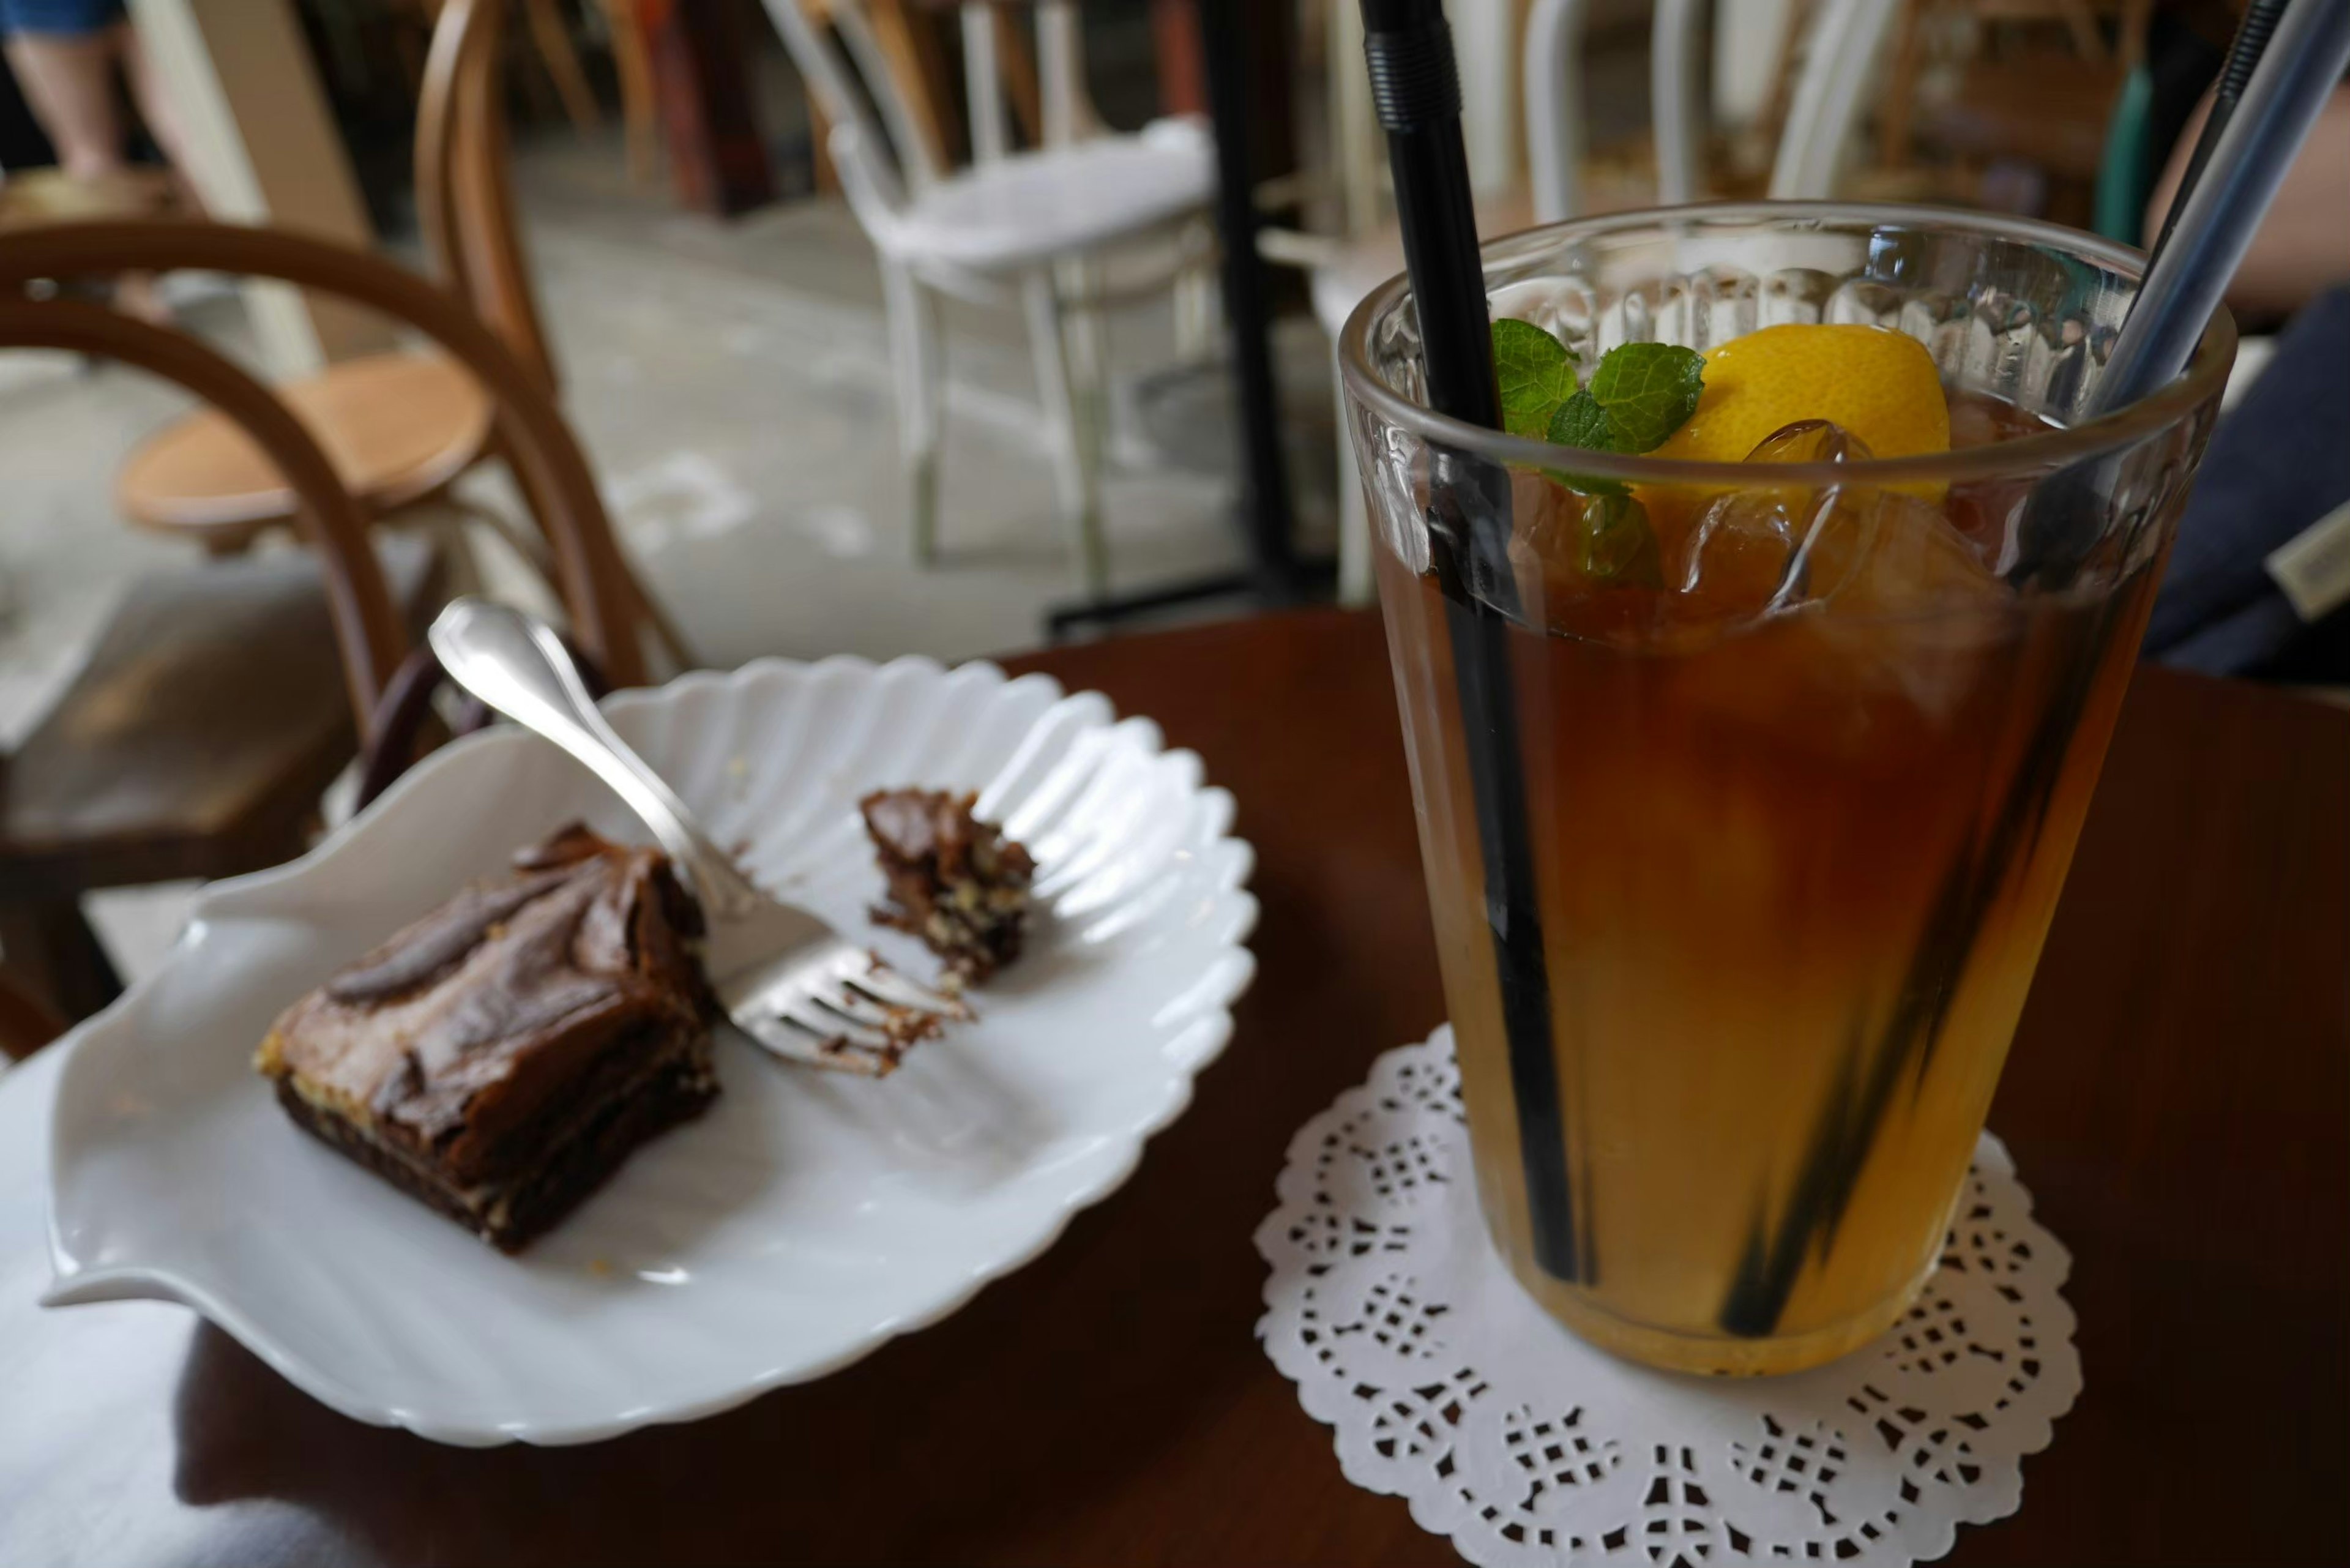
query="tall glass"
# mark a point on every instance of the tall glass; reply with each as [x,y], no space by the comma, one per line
[1741,863]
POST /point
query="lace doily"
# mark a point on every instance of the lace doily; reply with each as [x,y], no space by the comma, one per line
[1446,1385]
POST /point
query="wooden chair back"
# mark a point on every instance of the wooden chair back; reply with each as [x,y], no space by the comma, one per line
[368,629]
[605,605]
[464,195]
[138,810]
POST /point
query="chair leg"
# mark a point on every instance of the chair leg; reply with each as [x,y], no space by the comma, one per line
[52,949]
[1088,333]
[1195,301]
[1190,298]
[1074,415]
[640,109]
[562,61]
[918,367]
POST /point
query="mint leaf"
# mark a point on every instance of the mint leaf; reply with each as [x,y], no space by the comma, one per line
[1535,372]
[1649,390]
[1616,545]
[1581,421]
[1641,393]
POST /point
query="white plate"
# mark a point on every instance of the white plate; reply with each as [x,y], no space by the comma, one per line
[808,1216]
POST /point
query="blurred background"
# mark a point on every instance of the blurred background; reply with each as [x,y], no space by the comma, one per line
[884,326]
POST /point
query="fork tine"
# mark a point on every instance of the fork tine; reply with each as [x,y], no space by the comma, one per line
[840,1034]
[793,1042]
[861,1009]
[836,1028]
[887,985]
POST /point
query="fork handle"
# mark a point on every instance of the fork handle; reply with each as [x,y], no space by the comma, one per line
[516,664]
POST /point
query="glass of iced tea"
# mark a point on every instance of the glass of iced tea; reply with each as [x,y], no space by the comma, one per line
[1753,703]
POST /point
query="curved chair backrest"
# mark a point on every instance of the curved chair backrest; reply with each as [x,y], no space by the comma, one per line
[876,167]
[603,600]
[368,629]
[1554,94]
[1837,69]
[916,154]
[876,137]
[1675,90]
[464,195]
[1065,110]
[1845,40]
[1553,87]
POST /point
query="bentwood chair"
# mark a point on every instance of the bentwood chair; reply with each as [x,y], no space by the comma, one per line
[1030,230]
[400,427]
[220,701]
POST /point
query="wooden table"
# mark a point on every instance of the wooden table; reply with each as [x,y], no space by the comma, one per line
[2178,1103]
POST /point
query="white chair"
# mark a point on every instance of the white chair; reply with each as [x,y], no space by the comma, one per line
[1031,230]
[1840,58]
[1842,48]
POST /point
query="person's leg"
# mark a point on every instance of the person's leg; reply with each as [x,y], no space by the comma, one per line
[153,95]
[68,82]
[64,54]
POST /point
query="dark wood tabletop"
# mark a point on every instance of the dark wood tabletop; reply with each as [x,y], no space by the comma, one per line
[2178,1103]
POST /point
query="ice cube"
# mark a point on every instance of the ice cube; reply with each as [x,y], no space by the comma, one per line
[1770,548]
[1907,561]
[1917,608]
[1811,441]
[1733,560]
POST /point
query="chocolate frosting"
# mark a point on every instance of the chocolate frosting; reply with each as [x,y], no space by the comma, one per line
[455,1033]
[936,828]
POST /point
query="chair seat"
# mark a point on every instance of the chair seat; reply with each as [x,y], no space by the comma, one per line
[34,196]
[197,738]
[1368,262]
[1034,206]
[396,426]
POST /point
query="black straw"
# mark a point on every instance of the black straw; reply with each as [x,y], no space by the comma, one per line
[2251,41]
[1416,91]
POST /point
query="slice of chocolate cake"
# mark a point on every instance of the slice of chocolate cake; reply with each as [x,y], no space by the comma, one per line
[954,881]
[504,1054]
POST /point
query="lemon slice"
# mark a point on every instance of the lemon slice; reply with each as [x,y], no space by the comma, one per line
[1879,384]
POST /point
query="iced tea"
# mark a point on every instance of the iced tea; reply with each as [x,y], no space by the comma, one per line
[1794,867]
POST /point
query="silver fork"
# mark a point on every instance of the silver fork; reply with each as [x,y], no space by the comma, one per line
[789,981]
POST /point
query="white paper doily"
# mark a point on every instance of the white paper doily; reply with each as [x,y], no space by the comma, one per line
[1448,1386]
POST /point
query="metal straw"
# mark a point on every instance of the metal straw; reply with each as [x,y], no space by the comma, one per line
[1416,90]
[2287,77]
[2219,217]
[2244,52]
